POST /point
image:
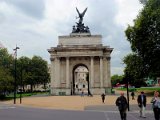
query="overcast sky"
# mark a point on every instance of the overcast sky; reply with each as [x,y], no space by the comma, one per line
[34,25]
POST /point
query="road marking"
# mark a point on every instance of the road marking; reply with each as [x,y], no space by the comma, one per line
[106,116]
[7,107]
[133,116]
[133,111]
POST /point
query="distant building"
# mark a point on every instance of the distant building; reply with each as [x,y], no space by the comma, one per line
[81,79]
[151,82]
[158,81]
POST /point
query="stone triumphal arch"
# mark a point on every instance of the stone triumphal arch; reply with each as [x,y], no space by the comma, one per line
[79,63]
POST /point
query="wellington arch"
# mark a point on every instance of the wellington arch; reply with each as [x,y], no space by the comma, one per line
[80,62]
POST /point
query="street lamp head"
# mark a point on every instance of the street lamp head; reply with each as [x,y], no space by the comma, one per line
[16,48]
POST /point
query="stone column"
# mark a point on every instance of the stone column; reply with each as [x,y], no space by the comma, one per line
[92,71]
[67,72]
[52,74]
[105,72]
[101,72]
[57,73]
[109,71]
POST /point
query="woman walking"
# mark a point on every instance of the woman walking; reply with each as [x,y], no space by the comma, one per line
[156,105]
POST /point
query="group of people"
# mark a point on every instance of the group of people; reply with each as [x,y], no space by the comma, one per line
[122,104]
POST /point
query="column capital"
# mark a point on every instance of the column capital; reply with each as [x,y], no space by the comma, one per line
[58,58]
[101,57]
[108,58]
[52,59]
[67,57]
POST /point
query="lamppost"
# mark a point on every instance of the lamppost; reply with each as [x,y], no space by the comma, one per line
[128,94]
[15,73]
[127,83]
[21,84]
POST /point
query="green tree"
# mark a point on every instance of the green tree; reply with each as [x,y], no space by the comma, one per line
[6,59]
[134,69]
[6,81]
[6,76]
[31,71]
[144,38]
[116,79]
[143,2]
[23,72]
[38,72]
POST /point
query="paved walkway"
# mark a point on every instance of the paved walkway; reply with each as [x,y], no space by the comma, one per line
[70,102]
[103,112]
[112,108]
[86,108]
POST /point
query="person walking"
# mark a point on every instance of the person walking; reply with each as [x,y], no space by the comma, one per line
[82,93]
[141,100]
[103,97]
[156,105]
[122,104]
[132,94]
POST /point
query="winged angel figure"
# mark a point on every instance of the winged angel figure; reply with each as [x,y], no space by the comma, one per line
[81,15]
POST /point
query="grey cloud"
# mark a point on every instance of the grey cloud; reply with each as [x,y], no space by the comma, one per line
[2,18]
[33,8]
[101,21]
[100,17]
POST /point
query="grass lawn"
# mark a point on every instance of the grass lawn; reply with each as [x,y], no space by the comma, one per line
[146,90]
[11,96]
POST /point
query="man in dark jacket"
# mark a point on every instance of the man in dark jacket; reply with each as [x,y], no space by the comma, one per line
[122,104]
[141,100]
[103,97]
[132,94]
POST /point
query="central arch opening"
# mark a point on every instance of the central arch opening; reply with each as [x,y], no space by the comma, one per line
[80,80]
